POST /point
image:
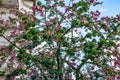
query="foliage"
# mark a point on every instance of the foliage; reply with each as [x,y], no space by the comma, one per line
[64,42]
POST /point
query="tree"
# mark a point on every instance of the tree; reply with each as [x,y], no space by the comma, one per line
[91,54]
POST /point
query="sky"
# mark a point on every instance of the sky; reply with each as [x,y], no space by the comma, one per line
[109,7]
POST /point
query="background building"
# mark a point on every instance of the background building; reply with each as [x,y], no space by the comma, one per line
[4,18]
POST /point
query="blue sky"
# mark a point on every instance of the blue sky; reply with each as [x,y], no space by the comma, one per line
[109,7]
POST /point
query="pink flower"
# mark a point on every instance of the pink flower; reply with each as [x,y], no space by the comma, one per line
[57,27]
[92,1]
[33,71]
[12,56]
[56,40]
[118,77]
[71,64]
[11,11]
[4,50]
[48,23]
[70,77]
[63,77]
[92,68]
[106,28]
[96,14]
[53,6]
[1,21]
[116,46]
[30,51]
[43,74]
[15,34]
[16,31]
[38,9]
[21,24]
[23,43]
[61,5]
[69,16]
[50,53]
[116,62]
[105,18]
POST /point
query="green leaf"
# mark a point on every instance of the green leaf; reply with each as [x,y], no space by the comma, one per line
[94,51]
[2,73]
[17,72]
[65,44]
[89,35]
[112,43]
[70,52]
